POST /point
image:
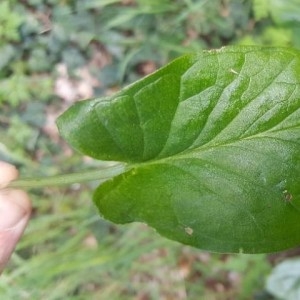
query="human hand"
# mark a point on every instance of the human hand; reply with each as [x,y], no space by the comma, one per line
[15,208]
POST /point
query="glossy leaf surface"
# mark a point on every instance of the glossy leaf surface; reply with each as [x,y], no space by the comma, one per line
[212,143]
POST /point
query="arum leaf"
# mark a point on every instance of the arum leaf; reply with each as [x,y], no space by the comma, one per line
[212,143]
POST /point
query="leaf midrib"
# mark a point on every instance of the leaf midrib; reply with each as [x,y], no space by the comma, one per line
[188,153]
[249,102]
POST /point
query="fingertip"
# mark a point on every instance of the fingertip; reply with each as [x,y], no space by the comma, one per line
[20,198]
[15,206]
[8,173]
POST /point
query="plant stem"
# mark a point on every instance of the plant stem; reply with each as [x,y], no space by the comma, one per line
[66,179]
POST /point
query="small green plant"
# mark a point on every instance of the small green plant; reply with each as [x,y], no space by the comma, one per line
[9,23]
[207,149]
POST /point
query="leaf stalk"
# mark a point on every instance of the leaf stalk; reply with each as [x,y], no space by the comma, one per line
[67,179]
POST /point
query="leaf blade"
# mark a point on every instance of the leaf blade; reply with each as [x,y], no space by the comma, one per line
[223,173]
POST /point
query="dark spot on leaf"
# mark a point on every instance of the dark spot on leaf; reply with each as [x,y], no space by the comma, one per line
[188,230]
[287,197]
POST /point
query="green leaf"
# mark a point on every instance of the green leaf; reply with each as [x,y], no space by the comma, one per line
[261,9]
[212,145]
[285,11]
[283,282]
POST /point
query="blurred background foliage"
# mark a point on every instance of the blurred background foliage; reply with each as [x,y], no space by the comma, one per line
[56,52]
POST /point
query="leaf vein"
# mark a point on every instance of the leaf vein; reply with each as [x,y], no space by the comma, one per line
[250,101]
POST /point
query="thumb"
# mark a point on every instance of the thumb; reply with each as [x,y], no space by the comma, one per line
[15,210]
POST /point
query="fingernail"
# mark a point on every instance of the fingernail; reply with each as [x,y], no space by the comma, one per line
[14,206]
